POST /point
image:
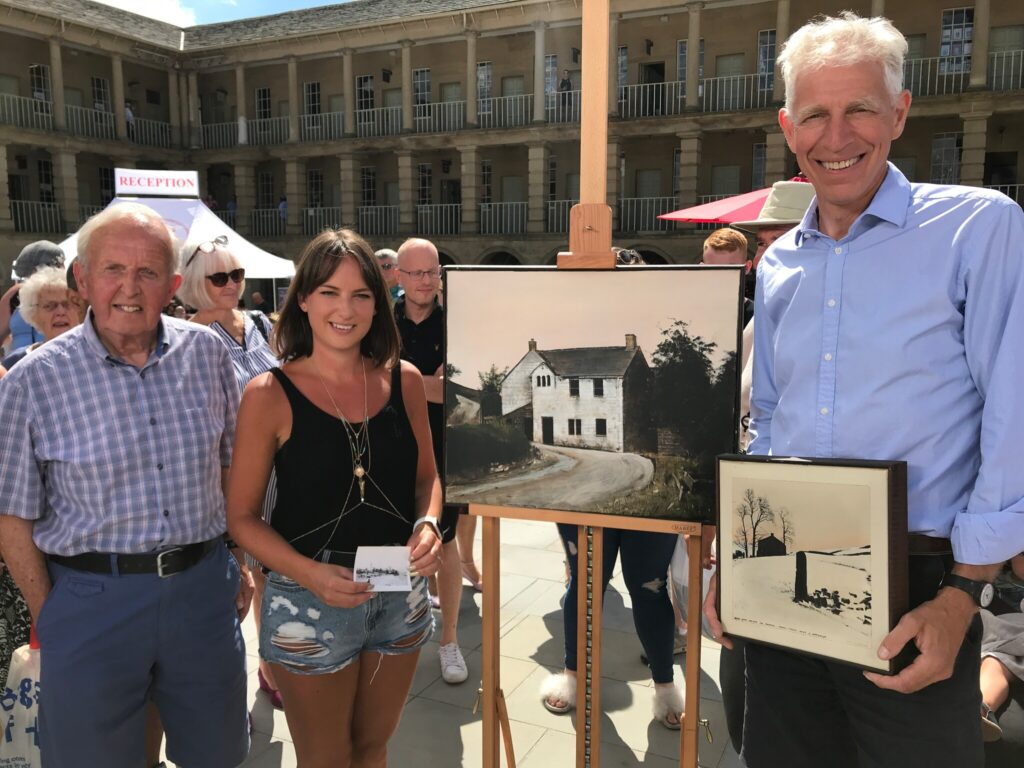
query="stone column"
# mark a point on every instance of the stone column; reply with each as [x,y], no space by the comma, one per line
[469,175]
[293,100]
[614,182]
[406,192]
[241,105]
[348,90]
[693,57]
[979,49]
[348,176]
[539,37]
[195,132]
[776,155]
[245,195]
[295,191]
[65,184]
[117,83]
[6,221]
[878,7]
[613,65]
[781,33]
[186,123]
[537,163]
[60,118]
[407,85]
[689,167]
[174,107]
[972,157]
[471,95]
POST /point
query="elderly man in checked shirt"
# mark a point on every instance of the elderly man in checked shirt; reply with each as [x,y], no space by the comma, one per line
[116,444]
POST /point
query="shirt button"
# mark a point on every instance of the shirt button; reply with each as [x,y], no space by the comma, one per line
[142,375]
[831,302]
[824,411]
[839,250]
[152,422]
[167,513]
[828,355]
[160,467]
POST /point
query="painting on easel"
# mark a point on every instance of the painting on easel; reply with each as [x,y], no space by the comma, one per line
[591,391]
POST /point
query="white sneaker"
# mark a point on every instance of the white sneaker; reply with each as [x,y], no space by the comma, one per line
[453,666]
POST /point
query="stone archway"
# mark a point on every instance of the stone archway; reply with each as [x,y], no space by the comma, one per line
[652,257]
[445,259]
[501,258]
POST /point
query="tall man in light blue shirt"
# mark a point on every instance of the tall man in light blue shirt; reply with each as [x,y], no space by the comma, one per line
[890,325]
[116,442]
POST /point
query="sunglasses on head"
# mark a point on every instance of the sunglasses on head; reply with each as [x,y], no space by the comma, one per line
[220,279]
[220,241]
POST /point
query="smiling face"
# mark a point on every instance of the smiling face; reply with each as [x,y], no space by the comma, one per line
[340,310]
[56,311]
[227,296]
[128,281]
[419,273]
[840,127]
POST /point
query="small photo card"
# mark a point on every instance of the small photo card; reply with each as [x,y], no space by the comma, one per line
[386,568]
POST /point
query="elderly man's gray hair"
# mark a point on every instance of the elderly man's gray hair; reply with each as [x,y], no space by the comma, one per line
[141,214]
[839,41]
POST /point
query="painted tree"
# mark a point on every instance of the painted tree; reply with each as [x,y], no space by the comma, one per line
[786,521]
[762,519]
[745,512]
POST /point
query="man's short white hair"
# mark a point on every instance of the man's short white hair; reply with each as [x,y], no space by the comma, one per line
[839,41]
[136,212]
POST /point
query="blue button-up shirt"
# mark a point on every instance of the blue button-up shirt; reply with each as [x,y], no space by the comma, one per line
[905,340]
[107,457]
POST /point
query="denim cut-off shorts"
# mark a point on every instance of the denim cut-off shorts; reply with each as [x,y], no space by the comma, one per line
[307,637]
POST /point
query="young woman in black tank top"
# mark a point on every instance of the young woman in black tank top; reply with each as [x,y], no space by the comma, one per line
[344,424]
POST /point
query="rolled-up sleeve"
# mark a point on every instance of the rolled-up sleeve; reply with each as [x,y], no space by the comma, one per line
[991,529]
[21,479]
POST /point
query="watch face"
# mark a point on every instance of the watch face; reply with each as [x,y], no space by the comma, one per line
[987,593]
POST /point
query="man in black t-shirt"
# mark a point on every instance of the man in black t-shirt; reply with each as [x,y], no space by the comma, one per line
[420,321]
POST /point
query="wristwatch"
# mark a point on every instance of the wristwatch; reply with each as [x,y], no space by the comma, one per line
[981,592]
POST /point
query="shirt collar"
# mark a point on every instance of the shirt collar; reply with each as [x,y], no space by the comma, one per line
[400,311]
[889,204]
[95,345]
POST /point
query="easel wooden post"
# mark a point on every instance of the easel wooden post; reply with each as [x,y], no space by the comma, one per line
[590,241]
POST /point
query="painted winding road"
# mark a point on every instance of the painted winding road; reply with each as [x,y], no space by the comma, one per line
[576,479]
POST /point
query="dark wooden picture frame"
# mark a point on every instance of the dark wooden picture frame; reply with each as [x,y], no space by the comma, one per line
[812,554]
[595,391]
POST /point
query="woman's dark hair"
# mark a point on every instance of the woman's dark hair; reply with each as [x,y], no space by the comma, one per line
[293,338]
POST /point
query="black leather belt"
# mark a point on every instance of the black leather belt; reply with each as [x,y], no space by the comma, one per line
[165,563]
[928,545]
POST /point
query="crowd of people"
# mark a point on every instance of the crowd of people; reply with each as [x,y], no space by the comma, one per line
[171,460]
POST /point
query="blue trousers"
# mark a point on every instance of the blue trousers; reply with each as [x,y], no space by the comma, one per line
[645,560]
[110,643]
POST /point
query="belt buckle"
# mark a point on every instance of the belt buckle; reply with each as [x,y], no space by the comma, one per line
[160,561]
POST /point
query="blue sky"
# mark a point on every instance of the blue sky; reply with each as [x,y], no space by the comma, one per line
[186,13]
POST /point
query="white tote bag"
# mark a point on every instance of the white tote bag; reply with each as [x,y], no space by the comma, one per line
[19,710]
[680,581]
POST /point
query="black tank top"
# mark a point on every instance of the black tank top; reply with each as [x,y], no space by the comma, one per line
[318,507]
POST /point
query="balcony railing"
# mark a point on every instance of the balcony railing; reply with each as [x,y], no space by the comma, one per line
[503,218]
[26,113]
[725,94]
[558,215]
[378,219]
[228,217]
[443,117]
[267,222]
[701,199]
[90,123]
[382,121]
[325,127]
[86,212]
[268,130]
[1006,71]
[220,135]
[1013,191]
[651,100]
[937,76]
[439,219]
[504,111]
[640,214]
[316,220]
[562,107]
[151,133]
[31,216]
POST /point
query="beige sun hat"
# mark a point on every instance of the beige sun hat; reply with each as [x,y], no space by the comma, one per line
[785,205]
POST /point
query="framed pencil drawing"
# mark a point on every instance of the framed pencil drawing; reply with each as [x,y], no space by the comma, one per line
[599,391]
[812,554]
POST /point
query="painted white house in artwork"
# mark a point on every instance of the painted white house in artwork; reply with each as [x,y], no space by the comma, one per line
[587,397]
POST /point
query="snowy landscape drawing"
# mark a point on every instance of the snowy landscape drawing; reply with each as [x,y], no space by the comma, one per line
[800,564]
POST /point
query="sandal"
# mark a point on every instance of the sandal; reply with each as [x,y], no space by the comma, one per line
[560,687]
[475,583]
[668,701]
[990,729]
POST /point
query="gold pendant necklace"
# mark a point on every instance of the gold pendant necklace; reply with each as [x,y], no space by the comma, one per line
[358,439]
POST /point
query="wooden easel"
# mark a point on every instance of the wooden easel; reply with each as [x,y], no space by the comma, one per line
[590,240]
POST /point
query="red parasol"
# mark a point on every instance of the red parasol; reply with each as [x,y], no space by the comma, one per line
[745,207]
